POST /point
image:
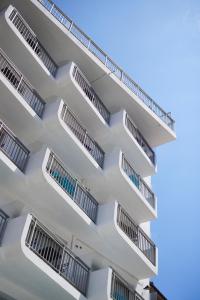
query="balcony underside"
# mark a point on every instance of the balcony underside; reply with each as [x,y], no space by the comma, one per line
[17,113]
[37,280]
[112,92]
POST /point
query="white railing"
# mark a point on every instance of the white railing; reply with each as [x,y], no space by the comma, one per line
[107,61]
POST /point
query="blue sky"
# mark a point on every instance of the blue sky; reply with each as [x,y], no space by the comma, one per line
[158,43]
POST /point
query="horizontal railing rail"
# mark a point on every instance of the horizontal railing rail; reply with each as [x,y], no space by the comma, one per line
[90,93]
[138,182]
[55,253]
[3,221]
[8,69]
[72,187]
[107,61]
[13,148]
[120,289]
[32,41]
[140,139]
[81,133]
[136,234]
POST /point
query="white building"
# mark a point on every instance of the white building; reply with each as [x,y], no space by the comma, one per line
[76,159]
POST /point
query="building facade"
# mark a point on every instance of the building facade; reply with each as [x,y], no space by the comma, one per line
[77,139]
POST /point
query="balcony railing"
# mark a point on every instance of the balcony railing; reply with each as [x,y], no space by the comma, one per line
[140,139]
[3,221]
[120,290]
[136,234]
[138,182]
[82,135]
[90,93]
[30,37]
[72,187]
[13,148]
[55,253]
[8,69]
[107,61]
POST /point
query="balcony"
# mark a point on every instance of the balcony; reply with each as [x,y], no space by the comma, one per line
[136,235]
[81,133]
[70,205]
[138,182]
[131,248]
[90,93]
[121,182]
[120,289]
[124,134]
[40,255]
[72,187]
[73,143]
[28,54]
[113,86]
[140,139]
[20,84]
[31,39]
[13,151]
[112,286]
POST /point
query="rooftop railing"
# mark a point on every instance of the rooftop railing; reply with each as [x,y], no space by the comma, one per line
[136,234]
[90,93]
[3,221]
[81,133]
[108,62]
[138,182]
[55,253]
[8,69]
[140,139]
[120,289]
[13,148]
[32,40]
[72,187]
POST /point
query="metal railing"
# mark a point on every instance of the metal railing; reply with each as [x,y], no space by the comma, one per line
[90,93]
[3,221]
[120,289]
[138,182]
[55,253]
[8,69]
[136,234]
[72,187]
[107,61]
[81,133]
[32,40]
[13,148]
[140,139]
